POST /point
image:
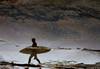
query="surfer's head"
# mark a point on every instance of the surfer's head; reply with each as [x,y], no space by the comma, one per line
[33,39]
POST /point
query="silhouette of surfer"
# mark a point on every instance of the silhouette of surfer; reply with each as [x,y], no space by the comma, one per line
[34,54]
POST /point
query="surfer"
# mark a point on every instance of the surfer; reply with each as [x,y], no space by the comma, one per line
[34,54]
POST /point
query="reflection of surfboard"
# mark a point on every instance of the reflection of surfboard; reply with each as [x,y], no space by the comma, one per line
[35,50]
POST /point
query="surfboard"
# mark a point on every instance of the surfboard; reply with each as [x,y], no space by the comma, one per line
[35,50]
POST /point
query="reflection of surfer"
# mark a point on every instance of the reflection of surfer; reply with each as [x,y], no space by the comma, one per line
[34,54]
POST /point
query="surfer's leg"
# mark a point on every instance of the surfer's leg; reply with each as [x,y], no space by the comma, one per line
[30,59]
[38,60]
[35,57]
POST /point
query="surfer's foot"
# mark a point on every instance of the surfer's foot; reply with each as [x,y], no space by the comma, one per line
[39,64]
